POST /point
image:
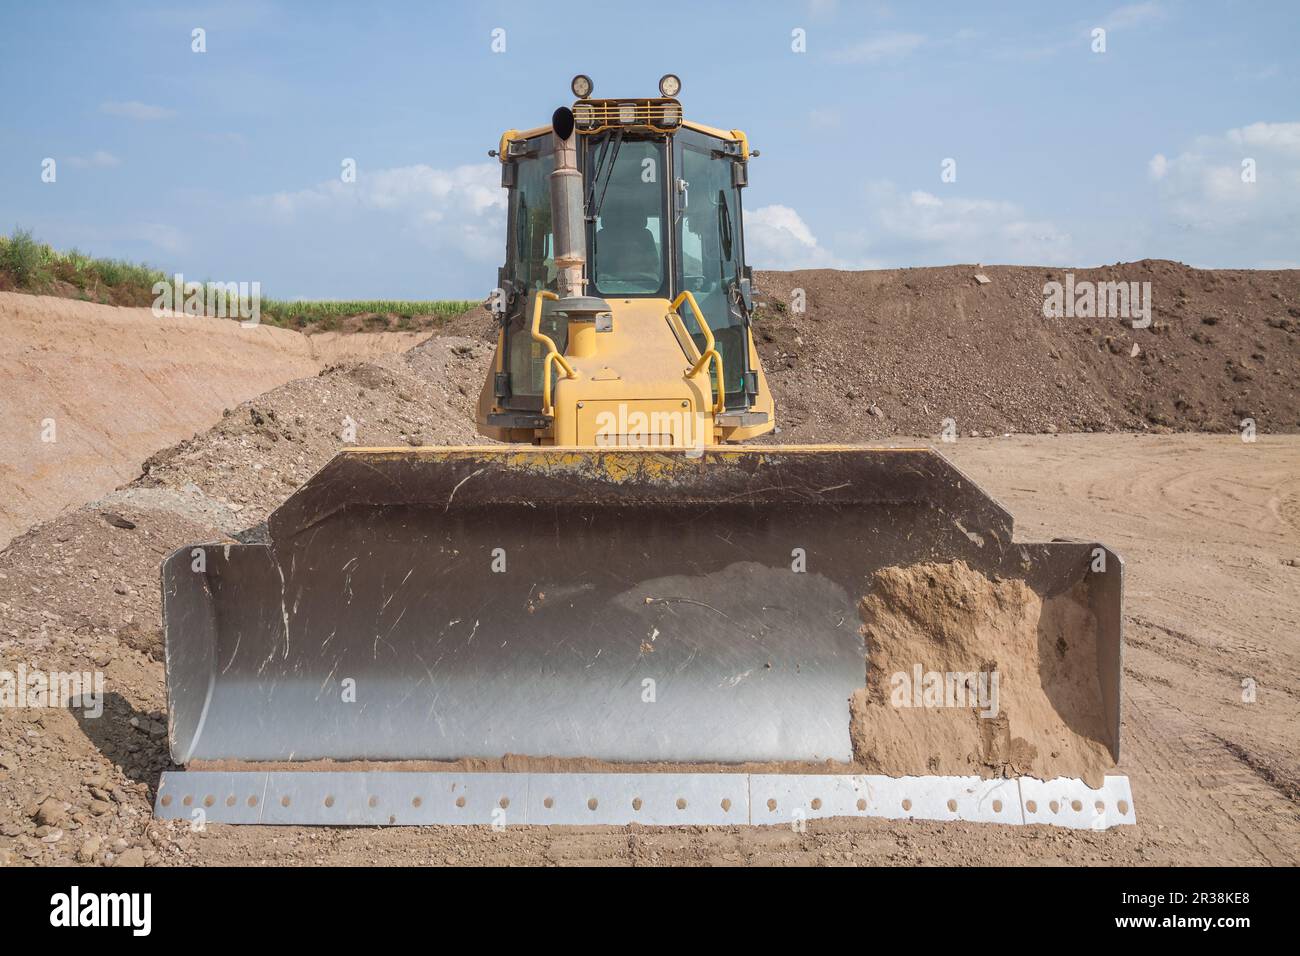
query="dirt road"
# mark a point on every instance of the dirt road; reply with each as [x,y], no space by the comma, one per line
[1207,526]
[89,391]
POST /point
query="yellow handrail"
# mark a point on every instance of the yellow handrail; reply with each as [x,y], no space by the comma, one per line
[552,353]
[709,353]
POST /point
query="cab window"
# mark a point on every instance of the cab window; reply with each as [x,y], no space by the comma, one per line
[627,251]
[530,217]
[711,254]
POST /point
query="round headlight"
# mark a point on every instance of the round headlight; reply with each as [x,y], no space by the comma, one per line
[669,84]
[581,86]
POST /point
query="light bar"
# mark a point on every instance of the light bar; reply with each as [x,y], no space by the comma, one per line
[593,115]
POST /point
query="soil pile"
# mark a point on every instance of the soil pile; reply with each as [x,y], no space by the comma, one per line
[262,450]
[971,676]
[896,352]
[87,391]
[1214,778]
[80,594]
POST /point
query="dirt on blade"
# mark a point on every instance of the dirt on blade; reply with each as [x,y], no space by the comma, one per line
[966,675]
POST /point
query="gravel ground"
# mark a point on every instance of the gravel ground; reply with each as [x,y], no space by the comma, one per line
[1210,527]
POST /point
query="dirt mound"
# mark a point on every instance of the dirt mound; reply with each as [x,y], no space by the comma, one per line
[80,594]
[87,391]
[475,323]
[82,591]
[329,348]
[1207,769]
[971,676]
[262,450]
[896,352]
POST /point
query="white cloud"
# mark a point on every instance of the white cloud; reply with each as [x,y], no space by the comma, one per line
[1158,166]
[908,228]
[920,227]
[134,109]
[1209,184]
[883,46]
[1132,15]
[1220,214]
[160,235]
[1283,138]
[462,207]
[165,238]
[1078,38]
[99,158]
[776,237]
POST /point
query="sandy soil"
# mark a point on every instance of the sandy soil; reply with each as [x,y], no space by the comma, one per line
[1207,526]
[1042,717]
[118,384]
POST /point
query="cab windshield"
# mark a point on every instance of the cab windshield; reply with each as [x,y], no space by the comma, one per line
[626,194]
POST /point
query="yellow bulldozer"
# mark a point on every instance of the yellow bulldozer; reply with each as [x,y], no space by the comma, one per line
[616,613]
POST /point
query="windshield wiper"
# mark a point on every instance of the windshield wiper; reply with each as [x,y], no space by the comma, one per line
[609,150]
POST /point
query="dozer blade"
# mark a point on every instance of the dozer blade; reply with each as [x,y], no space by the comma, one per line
[617,605]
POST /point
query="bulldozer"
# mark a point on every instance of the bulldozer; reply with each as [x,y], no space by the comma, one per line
[614,612]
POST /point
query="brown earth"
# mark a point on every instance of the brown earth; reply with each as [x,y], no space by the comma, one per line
[1210,527]
[1041,719]
[895,352]
[88,391]
[1207,526]
[259,452]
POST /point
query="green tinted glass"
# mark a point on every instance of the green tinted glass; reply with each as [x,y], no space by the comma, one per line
[531,198]
[628,253]
[710,254]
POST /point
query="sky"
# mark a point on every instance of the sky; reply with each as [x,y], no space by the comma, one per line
[891,134]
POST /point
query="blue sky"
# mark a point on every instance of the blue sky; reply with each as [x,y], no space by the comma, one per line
[225,164]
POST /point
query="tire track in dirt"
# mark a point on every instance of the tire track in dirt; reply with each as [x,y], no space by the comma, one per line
[1209,604]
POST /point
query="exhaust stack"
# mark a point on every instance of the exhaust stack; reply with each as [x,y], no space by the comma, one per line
[569,224]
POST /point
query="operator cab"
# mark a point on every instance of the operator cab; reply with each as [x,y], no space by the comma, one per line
[662,211]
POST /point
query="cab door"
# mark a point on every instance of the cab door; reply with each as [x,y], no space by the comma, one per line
[710,258]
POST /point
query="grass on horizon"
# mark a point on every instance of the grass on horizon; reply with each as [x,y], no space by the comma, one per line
[29,265]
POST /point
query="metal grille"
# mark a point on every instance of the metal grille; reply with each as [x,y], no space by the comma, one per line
[592,116]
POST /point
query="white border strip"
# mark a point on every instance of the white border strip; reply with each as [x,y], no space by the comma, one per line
[399,798]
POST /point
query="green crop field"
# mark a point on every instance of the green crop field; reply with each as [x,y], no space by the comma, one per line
[328,314]
[28,265]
